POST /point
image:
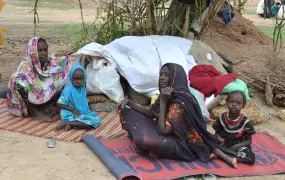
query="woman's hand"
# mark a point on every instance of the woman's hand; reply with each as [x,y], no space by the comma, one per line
[165,94]
[76,113]
[122,103]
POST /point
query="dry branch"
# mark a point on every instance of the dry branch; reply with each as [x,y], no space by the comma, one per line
[278,27]
[268,92]
[174,19]
[83,23]
[186,23]
[213,9]
[274,91]
[36,16]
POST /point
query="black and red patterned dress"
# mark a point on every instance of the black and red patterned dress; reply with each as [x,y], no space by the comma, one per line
[235,132]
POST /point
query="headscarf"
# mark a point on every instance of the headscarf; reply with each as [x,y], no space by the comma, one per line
[32,55]
[78,96]
[192,119]
[40,85]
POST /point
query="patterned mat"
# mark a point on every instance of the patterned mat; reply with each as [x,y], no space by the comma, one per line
[110,128]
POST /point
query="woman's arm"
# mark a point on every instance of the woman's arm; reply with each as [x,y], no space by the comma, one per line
[138,108]
[162,128]
[69,108]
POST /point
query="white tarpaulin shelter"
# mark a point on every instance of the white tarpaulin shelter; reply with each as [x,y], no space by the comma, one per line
[139,58]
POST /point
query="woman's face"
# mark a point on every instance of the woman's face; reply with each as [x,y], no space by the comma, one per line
[78,78]
[43,52]
[164,77]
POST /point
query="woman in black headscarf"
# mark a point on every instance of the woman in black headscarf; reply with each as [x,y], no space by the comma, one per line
[173,127]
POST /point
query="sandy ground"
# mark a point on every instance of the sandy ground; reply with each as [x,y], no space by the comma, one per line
[27,158]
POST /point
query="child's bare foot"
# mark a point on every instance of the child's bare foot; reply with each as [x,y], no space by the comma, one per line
[61,125]
[213,156]
[232,161]
[235,163]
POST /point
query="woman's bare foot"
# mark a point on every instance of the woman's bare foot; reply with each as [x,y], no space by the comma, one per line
[36,113]
[41,116]
[51,111]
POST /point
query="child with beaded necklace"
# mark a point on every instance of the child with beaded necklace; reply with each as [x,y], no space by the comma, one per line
[234,130]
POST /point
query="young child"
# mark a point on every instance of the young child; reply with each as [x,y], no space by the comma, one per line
[75,111]
[234,131]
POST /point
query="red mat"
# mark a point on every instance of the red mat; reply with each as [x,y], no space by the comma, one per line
[270,159]
[110,128]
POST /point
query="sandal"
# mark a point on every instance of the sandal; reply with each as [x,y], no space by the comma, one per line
[209,177]
[190,178]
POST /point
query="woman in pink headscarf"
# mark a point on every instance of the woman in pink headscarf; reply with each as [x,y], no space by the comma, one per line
[37,82]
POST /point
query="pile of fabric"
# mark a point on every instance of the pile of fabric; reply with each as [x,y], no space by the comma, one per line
[272,9]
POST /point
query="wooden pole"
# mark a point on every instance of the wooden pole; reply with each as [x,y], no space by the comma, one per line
[150,17]
[186,23]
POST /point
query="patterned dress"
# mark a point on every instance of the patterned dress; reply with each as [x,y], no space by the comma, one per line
[235,132]
[146,138]
[40,85]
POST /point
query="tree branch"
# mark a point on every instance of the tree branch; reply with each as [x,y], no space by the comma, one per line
[36,16]
[83,23]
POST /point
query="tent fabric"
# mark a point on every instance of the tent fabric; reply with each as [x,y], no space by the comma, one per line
[139,58]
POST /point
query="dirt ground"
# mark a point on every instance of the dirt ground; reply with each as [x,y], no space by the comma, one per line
[26,158]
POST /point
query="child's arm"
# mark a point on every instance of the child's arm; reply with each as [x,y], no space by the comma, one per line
[218,128]
[69,108]
[242,144]
[219,137]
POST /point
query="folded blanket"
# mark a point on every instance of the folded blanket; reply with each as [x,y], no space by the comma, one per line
[207,80]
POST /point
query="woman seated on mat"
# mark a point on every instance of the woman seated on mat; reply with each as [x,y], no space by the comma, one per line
[35,87]
[178,131]
[234,131]
[75,111]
